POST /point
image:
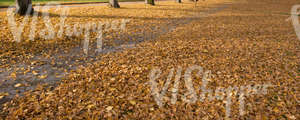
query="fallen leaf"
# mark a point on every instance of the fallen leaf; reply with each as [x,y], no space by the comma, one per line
[43,76]
[35,73]
[132,102]
[109,108]
[18,85]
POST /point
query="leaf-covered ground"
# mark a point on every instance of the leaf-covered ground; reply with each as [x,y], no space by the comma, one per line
[26,64]
[247,42]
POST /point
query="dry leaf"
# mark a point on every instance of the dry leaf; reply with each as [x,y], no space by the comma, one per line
[18,85]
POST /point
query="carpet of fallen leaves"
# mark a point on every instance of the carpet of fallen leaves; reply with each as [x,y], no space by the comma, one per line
[247,43]
[26,64]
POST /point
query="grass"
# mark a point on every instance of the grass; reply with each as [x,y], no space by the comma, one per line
[12,2]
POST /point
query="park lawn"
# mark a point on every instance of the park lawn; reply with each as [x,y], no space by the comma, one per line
[12,2]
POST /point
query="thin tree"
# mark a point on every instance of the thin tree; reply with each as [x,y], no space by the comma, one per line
[195,2]
[151,2]
[23,7]
[114,3]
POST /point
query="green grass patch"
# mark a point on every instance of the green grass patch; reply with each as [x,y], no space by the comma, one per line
[12,2]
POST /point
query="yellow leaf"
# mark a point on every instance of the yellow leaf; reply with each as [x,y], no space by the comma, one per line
[13,75]
[90,106]
[109,108]
[18,85]
[34,73]
[276,110]
[132,102]
[2,95]
[43,76]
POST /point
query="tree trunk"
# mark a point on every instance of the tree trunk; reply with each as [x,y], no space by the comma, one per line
[151,2]
[114,3]
[179,1]
[24,7]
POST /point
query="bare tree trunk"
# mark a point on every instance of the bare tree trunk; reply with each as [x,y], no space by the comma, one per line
[24,7]
[114,3]
[196,2]
[179,1]
[151,2]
